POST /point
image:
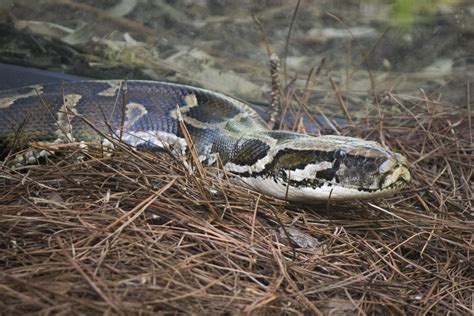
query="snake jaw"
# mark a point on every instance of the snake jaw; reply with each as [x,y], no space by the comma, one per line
[394,172]
[399,177]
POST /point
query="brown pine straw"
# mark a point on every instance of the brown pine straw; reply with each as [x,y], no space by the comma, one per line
[141,233]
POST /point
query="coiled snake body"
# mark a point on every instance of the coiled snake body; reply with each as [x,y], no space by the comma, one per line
[283,164]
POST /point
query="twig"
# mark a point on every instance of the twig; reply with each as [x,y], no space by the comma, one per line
[287,42]
[276,92]
[342,104]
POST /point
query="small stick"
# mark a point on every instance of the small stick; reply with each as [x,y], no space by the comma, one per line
[190,144]
[341,101]
[469,113]
[48,108]
[197,162]
[87,277]
[116,100]
[275,77]
[66,110]
[365,58]
[311,80]
[275,94]
[262,32]
[290,28]
[124,102]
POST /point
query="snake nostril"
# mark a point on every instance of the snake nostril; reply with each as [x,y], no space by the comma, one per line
[398,174]
[386,166]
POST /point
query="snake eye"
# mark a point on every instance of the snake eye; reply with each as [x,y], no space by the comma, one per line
[339,154]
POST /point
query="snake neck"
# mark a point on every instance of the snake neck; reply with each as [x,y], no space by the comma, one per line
[248,148]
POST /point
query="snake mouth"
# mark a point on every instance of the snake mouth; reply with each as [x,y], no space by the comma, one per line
[395,172]
[365,179]
[335,180]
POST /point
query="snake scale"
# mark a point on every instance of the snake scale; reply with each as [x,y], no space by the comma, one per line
[282,164]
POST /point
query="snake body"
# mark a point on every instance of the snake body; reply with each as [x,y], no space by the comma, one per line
[146,114]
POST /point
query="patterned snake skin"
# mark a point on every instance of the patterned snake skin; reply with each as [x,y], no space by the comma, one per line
[282,164]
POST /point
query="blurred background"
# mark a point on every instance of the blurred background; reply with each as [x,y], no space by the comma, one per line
[371,49]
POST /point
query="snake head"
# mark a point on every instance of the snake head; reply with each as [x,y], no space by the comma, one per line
[366,172]
[329,167]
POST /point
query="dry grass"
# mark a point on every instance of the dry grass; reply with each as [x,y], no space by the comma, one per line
[137,233]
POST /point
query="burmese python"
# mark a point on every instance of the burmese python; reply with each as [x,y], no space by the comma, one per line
[283,164]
